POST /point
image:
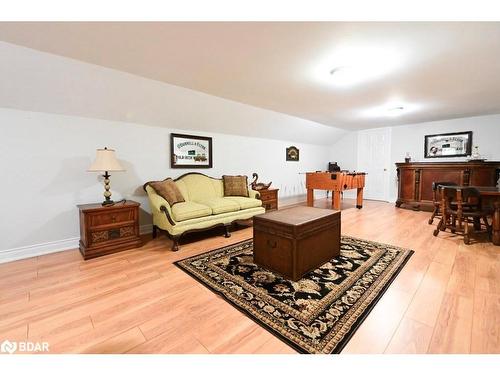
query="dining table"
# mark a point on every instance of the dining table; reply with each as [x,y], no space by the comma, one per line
[490,195]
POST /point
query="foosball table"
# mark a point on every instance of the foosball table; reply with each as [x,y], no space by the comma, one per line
[336,182]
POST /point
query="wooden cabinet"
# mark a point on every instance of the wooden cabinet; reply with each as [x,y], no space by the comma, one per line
[415,179]
[108,229]
[269,198]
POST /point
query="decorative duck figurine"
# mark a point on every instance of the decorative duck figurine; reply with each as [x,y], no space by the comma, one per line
[258,186]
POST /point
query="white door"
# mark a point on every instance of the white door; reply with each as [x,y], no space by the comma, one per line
[374,158]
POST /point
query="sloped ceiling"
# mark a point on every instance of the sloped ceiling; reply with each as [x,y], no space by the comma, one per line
[41,82]
[436,70]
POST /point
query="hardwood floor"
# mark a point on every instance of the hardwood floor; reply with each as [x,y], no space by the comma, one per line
[446,299]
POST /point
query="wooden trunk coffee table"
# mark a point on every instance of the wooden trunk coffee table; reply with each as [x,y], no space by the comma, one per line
[296,240]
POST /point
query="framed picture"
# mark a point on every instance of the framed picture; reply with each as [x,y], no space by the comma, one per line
[448,145]
[292,153]
[190,151]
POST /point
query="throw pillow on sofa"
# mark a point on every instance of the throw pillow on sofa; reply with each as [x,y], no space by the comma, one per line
[168,190]
[235,186]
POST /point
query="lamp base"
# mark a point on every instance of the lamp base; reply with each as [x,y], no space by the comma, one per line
[108,202]
[107,193]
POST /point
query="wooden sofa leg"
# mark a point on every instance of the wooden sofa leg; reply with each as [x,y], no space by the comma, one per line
[155,231]
[226,231]
[175,245]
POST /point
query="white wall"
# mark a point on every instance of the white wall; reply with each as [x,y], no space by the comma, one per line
[486,135]
[44,157]
[410,138]
[37,81]
[343,150]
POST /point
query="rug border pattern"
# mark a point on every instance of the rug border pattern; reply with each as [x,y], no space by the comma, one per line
[357,316]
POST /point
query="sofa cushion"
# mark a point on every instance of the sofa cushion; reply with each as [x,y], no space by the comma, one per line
[190,210]
[245,202]
[221,205]
[235,186]
[168,190]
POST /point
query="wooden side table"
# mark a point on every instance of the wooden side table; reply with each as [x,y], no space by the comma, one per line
[108,229]
[269,198]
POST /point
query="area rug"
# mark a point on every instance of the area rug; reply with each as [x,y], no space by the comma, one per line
[317,314]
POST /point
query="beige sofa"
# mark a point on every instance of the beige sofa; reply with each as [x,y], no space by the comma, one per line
[205,207]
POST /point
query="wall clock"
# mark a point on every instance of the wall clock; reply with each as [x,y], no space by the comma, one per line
[292,153]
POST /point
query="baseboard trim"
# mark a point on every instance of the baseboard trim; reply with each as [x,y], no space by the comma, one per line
[30,251]
[300,198]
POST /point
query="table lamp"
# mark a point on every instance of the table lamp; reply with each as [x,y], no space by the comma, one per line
[105,161]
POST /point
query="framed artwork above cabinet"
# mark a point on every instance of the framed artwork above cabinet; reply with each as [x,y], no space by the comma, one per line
[448,145]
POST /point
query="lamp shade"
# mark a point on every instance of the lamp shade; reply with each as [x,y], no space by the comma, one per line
[105,161]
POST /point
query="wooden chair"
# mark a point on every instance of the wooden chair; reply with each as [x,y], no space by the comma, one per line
[436,198]
[461,206]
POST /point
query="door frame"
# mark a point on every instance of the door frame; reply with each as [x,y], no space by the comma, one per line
[387,161]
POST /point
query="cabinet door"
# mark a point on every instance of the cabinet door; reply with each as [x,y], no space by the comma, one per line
[407,184]
[430,175]
[482,177]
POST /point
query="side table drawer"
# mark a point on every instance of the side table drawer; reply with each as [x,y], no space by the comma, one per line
[99,236]
[267,194]
[111,217]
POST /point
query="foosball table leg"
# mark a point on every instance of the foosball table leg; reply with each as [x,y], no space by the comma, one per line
[310,197]
[359,198]
[336,200]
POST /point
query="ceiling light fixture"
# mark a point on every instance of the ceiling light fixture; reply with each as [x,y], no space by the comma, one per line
[396,111]
[348,66]
[392,109]
[345,75]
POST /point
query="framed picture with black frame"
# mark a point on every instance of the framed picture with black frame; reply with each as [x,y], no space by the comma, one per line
[292,153]
[190,151]
[448,145]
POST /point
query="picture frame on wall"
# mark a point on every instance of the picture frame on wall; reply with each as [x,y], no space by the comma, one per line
[292,153]
[190,151]
[448,145]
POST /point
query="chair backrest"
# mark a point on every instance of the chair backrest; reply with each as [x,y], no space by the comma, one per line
[448,194]
[435,184]
[470,195]
[457,196]
[435,190]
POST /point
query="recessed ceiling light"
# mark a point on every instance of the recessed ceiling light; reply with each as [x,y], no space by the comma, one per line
[337,70]
[345,75]
[390,110]
[395,111]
